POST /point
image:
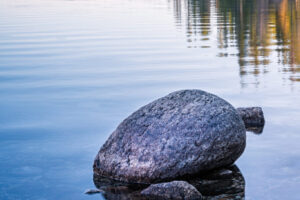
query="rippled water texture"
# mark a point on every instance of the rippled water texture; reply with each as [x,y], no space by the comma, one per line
[70,71]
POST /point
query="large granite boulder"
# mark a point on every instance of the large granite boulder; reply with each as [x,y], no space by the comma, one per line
[183,133]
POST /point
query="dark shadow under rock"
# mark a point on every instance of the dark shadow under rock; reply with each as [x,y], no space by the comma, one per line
[224,183]
[255,129]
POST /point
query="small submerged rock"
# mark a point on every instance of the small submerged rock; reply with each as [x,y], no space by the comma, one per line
[183,133]
[176,190]
[93,191]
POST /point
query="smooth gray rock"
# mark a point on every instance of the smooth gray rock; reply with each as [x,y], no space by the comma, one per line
[183,133]
[176,190]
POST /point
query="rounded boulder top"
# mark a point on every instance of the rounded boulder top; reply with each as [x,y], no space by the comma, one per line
[183,133]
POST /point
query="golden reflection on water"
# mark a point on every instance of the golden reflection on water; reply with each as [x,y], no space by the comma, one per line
[264,32]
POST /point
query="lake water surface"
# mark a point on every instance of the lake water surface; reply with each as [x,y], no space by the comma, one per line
[71,71]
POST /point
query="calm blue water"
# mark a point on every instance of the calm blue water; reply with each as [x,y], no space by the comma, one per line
[70,71]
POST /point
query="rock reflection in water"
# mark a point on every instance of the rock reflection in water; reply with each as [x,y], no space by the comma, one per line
[255,129]
[224,183]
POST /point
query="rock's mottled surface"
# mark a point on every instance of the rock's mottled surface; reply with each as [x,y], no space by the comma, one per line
[182,133]
[176,190]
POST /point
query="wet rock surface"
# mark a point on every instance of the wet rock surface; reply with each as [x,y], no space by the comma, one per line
[183,133]
[177,190]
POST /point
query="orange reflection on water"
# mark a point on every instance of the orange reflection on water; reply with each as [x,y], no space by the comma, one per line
[263,31]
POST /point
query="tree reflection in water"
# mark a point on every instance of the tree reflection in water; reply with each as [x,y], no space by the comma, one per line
[262,31]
